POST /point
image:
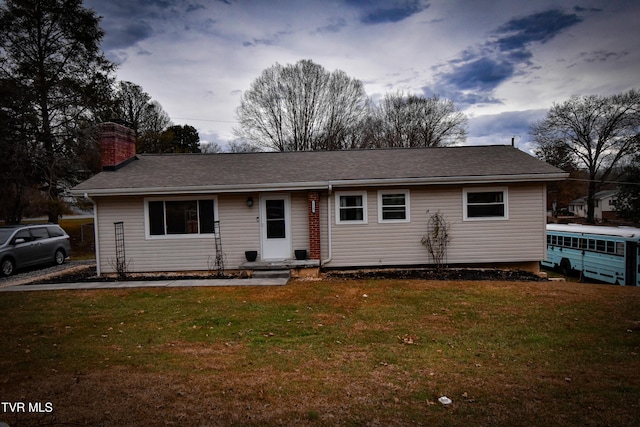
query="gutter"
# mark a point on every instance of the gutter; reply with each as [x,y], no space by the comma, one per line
[480,179]
[96,238]
[232,188]
[328,260]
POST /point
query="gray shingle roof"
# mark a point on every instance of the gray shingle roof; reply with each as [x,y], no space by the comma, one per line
[251,171]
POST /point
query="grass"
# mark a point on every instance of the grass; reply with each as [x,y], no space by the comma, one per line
[321,353]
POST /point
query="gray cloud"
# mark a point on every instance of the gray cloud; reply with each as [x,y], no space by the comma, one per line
[481,69]
[541,27]
[513,123]
[378,12]
[334,26]
[127,23]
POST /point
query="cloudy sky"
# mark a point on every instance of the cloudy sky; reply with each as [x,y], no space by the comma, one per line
[502,62]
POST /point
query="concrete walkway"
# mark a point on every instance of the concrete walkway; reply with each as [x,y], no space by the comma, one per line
[279,281]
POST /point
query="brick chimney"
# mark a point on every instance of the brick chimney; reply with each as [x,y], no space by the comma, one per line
[117,145]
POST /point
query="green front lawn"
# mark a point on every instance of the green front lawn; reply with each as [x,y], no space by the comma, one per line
[323,353]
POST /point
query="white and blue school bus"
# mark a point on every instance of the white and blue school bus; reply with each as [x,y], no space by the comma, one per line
[606,254]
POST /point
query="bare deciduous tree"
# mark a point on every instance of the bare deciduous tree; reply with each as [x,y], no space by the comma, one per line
[239,146]
[415,121]
[131,104]
[152,138]
[145,116]
[596,132]
[211,147]
[301,107]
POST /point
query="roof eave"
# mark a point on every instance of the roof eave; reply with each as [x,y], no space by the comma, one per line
[319,185]
[204,189]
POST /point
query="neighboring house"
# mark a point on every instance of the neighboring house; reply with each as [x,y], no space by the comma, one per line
[605,205]
[364,208]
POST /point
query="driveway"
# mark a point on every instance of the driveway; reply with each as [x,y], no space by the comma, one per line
[39,274]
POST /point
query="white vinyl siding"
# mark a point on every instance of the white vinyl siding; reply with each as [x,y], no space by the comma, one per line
[300,221]
[521,238]
[239,232]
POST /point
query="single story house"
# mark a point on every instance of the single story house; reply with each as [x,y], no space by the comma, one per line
[363,208]
[604,209]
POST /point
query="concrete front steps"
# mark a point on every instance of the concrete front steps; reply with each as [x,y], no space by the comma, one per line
[282,268]
[271,274]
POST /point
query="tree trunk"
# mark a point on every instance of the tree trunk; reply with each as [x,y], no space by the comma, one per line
[50,167]
[591,199]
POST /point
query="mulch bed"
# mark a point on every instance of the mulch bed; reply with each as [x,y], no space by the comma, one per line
[89,275]
[438,274]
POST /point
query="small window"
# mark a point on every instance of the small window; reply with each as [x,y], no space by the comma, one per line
[481,204]
[611,247]
[23,234]
[393,206]
[39,233]
[55,231]
[276,219]
[351,208]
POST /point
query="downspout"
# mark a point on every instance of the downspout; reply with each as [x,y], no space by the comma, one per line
[327,260]
[95,233]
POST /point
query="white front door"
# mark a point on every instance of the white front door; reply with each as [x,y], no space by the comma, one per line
[275,226]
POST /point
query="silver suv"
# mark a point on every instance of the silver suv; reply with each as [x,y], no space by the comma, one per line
[27,245]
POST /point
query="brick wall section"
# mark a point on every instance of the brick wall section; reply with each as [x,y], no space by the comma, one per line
[117,144]
[314,225]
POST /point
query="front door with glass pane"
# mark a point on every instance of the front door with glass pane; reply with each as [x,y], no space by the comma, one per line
[275,227]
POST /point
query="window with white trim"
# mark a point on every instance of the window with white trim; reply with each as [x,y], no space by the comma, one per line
[179,217]
[485,204]
[393,206]
[351,207]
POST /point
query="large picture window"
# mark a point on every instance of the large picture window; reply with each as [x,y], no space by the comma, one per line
[351,207]
[485,204]
[180,217]
[393,206]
